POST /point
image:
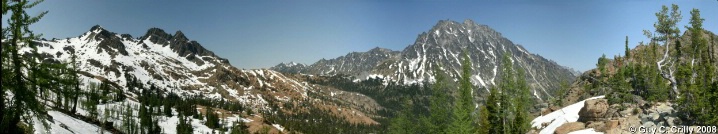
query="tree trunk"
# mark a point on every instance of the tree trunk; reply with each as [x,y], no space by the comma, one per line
[19,84]
[75,98]
[668,75]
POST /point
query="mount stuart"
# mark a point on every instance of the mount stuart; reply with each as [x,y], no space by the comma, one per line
[441,47]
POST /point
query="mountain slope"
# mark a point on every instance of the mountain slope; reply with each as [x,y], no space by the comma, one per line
[442,46]
[174,64]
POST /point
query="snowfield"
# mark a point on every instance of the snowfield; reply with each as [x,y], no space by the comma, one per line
[559,117]
[65,124]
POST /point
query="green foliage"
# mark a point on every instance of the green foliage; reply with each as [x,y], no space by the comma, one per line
[212,118]
[462,121]
[666,24]
[239,128]
[699,79]
[24,89]
[560,93]
[438,108]
[621,88]
[264,130]
[602,64]
[128,120]
[627,49]
[184,126]
[484,122]
[495,117]
[403,122]
[521,101]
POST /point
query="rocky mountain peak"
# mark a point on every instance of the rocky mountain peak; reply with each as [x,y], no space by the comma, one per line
[444,44]
[379,50]
[99,33]
[156,35]
[108,41]
[179,36]
[96,28]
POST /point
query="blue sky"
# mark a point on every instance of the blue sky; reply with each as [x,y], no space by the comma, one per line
[261,34]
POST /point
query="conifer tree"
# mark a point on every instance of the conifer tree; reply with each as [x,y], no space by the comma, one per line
[240,128]
[521,101]
[700,92]
[74,81]
[628,50]
[438,108]
[507,88]
[666,31]
[402,123]
[184,126]
[484,122]
[463,104]
[495,118]
[15,81]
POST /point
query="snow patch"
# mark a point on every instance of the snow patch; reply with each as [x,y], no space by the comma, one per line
[557,118]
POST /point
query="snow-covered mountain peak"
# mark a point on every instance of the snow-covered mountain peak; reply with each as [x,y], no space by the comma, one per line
[96,28]
[443,45]
[179,36]
[173,64]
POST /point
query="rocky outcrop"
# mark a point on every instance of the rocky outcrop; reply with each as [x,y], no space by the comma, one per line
[622,125]
[593,110]
[597,125]
[109,42]
[661,114]
[570,127]
[619,118]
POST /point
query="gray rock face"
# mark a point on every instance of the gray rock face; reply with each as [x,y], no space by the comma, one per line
[108,41]
[290,67]
[661,114]
[179,43]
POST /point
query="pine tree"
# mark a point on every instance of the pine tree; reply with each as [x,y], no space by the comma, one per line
[521,100]
[602,65]
[507,87]
[93,99]
[74,81]
[463,105]
[628,50]
[699,96]
[495,118]
[667,30]
[128,121]
[184,126]
[24,102]
[402,123]
[212,118]
[438,108]
[167,109]
[484,122]
[240,128]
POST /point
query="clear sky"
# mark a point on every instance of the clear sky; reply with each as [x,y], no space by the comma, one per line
[261,34]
